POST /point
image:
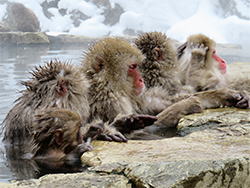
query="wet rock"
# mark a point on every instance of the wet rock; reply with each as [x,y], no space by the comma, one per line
[74,180]
[215,119]
[22,18]
[24,38]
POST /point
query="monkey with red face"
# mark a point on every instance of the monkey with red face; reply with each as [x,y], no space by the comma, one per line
[116,90]
[205,70]
[201,67]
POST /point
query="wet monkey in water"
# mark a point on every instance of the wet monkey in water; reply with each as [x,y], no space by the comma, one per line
[55,135]
[55,85]
[116,89]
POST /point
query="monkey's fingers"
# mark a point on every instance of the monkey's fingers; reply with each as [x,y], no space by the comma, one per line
[243,102]
[147,119]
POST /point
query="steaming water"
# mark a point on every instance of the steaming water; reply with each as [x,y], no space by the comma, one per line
[16,61]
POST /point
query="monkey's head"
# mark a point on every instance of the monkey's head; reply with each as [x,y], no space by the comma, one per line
[112,63]
[56,129]
[156,46]
[202,39]
[58,84]
[211,58]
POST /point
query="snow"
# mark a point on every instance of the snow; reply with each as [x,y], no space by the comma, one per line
[178,19]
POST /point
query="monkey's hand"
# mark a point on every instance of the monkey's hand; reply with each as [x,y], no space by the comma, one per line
[128,123]
[224,97]
[111,134]
[77,152]
[198,53]
[243,100]
[94,129]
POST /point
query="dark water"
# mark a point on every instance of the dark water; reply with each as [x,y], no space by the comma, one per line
[15,62]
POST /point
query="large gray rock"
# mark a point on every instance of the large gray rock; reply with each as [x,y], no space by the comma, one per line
[22,18]
[24,38]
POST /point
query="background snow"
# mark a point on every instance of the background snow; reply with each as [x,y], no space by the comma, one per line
[178,19]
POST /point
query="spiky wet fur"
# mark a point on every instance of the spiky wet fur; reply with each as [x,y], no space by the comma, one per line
[43,134]
[40,94]
[162,73]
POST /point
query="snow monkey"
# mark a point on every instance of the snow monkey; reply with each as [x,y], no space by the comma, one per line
[160,66]
[202,71]
[55,135]
[117,89]
[55,85]
[201,67]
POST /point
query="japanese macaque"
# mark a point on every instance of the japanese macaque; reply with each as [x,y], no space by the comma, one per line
[160,68]
[116,87]
[201,68]
[56,136]
[55,84]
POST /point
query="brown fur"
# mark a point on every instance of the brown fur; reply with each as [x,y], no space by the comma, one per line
[41,93]
[111,91]
[160,68]
[45,126]
[200,70]
[107,98]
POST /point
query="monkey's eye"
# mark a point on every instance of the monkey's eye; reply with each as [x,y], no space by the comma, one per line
[133,66]
[100,66]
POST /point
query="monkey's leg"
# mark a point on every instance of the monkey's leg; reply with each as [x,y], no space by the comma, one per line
[170,116]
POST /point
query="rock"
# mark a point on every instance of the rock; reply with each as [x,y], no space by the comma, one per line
[24,38]
[214,118]
[74,180]
[22,18]
[221,173]
[112,11]
[232,7]
[4,27]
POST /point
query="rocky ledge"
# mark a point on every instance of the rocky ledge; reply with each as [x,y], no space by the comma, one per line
[213,150]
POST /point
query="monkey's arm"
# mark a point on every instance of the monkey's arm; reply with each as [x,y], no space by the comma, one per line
[128,123]
[171,115]
[224,97]
[92,130]
[77,152]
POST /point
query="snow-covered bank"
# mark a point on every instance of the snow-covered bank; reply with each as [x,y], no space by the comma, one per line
[178,19]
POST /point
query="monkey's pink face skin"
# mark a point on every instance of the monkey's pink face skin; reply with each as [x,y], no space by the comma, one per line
[138,81]
[222,63]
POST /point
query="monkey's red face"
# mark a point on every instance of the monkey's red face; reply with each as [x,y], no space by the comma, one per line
[222,63]
[138,81]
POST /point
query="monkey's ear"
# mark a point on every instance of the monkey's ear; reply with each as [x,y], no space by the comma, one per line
[59,136]
[99,64]
[158,54]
